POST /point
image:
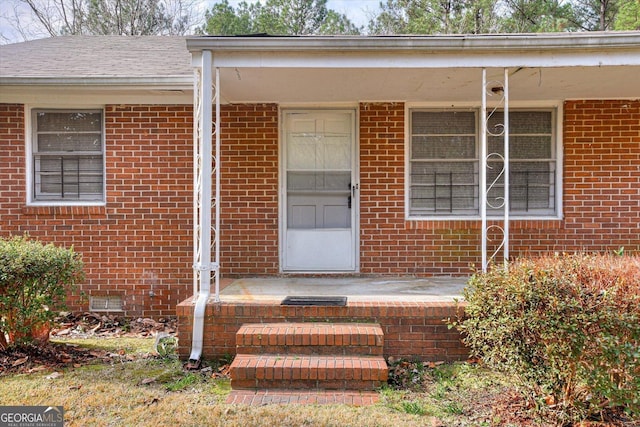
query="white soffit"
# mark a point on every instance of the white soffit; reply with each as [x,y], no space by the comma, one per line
[423,85]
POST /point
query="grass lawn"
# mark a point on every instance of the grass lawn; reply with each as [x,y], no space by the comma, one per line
[138,390]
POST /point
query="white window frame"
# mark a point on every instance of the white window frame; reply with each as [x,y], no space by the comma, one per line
[557,149]
[31,138]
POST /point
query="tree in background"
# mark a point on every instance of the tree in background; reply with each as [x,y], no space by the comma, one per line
[628,17]
[435,17]
[132,17]
[336,23]
[224,20]
[505,16]
[118,17]
[277,17]
[603,15]
[538,16]
[305,17]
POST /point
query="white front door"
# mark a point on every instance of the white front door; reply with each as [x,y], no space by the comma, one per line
[319,203]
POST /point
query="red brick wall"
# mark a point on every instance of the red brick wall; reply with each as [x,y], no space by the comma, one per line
[141,241]
[601,175]
[249,187]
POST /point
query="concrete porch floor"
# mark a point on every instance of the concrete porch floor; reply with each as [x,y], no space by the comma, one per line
[356,289]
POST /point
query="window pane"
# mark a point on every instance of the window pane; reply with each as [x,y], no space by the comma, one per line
[443,147]
[75,121]
[443,122]
[319,181]
[69,142]
[532,185]
[62,169]
[523,147]
[522,122]
[449,187]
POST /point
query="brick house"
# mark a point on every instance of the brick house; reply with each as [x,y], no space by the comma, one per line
[357,156]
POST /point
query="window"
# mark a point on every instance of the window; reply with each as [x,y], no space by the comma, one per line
[67,155]
[444,163]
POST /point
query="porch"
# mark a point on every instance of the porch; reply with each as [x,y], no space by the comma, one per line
[412,312]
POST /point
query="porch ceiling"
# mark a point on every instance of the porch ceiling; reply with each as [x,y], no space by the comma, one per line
[429,69]
[431,85]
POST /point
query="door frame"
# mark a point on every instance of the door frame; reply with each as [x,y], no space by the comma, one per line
[355,179]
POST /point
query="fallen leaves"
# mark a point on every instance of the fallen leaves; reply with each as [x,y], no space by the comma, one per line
[84,325]
[406,374]
[29,359]
[153,401]
[221,372]
[54,376]
[20,361]
[146,381]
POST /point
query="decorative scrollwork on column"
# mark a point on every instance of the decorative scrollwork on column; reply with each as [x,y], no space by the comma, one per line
[205,165]
[495,166]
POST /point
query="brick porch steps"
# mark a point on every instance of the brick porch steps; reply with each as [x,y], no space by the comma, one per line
[308,362]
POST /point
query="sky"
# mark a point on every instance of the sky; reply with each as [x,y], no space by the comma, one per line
[358,11]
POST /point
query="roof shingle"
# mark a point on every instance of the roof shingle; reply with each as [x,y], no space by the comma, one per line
[97,56]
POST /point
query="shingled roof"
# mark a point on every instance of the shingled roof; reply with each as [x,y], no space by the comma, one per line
[95,57]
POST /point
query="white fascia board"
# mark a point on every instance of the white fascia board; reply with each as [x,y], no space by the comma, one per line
[168,82]
[391,60]
[489,42]
[517,50]
[57,95]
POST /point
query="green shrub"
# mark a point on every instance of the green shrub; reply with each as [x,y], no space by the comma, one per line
[34,280]
[567,325]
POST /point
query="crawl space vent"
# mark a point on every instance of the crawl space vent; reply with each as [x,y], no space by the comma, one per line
[105,303]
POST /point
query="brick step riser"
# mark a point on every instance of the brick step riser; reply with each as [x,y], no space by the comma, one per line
[255,384]
[359,338]
[372,372]
[324,350]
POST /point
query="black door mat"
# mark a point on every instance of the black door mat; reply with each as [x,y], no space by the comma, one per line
[316,301]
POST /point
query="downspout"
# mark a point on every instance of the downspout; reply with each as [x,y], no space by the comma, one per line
[203,266]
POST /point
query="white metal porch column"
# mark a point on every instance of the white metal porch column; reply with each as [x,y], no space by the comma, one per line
[487,200]
[204,166]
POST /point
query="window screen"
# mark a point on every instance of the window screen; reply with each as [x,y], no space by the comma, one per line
[444,178]
[67,157]
[444,163]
